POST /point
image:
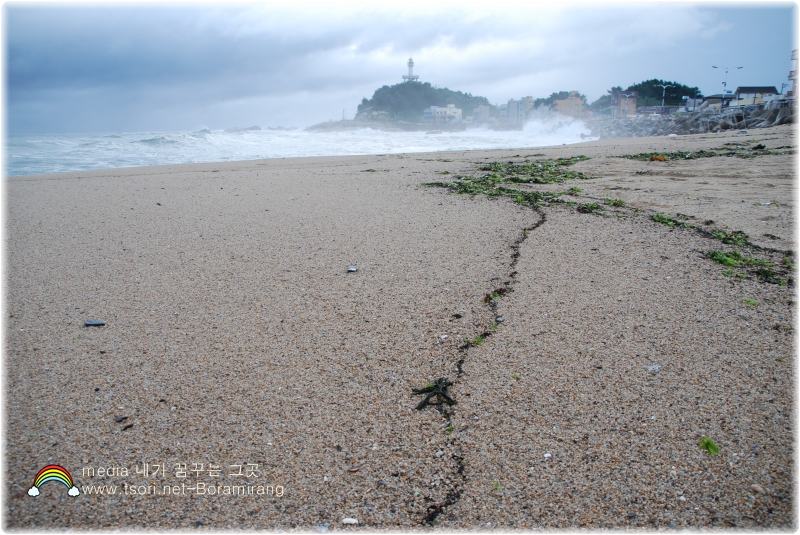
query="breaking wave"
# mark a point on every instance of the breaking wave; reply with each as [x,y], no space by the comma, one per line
[54,153]
[155,140]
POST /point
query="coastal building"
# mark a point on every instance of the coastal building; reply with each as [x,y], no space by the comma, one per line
[438,114]
[572,106]
[623,103]
[410,77]
[448,114]
[753,94]
[792,93]
[481,114]
[751,91]
[502,112]
[527,103]
[515,112]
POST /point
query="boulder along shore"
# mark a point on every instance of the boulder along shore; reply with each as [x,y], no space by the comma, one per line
[702,121]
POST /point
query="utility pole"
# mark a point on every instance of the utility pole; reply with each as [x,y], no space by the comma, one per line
[626,95]
[663,93]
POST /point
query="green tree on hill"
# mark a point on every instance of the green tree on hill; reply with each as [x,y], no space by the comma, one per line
[650,93]
[407,100]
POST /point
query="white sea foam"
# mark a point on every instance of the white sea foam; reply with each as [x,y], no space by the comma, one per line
[55,153]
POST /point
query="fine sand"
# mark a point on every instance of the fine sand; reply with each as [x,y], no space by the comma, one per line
[274,387]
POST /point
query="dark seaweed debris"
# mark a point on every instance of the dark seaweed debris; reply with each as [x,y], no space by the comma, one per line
[725,151]
[438,390]
[537,172]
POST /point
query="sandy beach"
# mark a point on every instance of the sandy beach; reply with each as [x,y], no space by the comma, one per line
[240,355]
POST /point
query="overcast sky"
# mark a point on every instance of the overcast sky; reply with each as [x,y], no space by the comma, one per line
[189,66]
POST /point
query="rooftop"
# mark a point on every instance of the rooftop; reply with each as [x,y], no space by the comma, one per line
[760,89]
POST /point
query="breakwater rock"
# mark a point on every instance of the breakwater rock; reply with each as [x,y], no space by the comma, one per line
[688,123]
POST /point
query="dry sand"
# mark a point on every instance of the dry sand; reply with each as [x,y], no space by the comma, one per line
[235,339]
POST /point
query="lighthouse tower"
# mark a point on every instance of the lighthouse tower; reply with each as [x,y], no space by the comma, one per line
[410,77]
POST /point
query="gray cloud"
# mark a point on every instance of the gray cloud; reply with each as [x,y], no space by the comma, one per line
[163,68]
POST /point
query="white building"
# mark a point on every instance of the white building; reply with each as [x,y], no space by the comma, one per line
[515,110]
[447,114]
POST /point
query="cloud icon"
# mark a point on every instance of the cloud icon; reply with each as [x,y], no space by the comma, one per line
[74,491]
[33,491]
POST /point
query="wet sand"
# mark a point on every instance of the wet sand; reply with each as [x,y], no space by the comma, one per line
[242,354]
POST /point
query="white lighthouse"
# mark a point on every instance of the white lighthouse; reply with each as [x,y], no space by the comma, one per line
[410,77]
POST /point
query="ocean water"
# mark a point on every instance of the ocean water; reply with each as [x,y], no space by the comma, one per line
[56,153]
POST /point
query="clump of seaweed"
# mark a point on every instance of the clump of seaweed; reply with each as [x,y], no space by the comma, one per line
[493,184]
[648,156]
[478,340]
[709,445]
[729,151]
[730,259]
[752,153]
[669,221]
[490,185]
[765,274]
[763,271]
[590,208]
[736,237]
[537,172]
[438,390]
